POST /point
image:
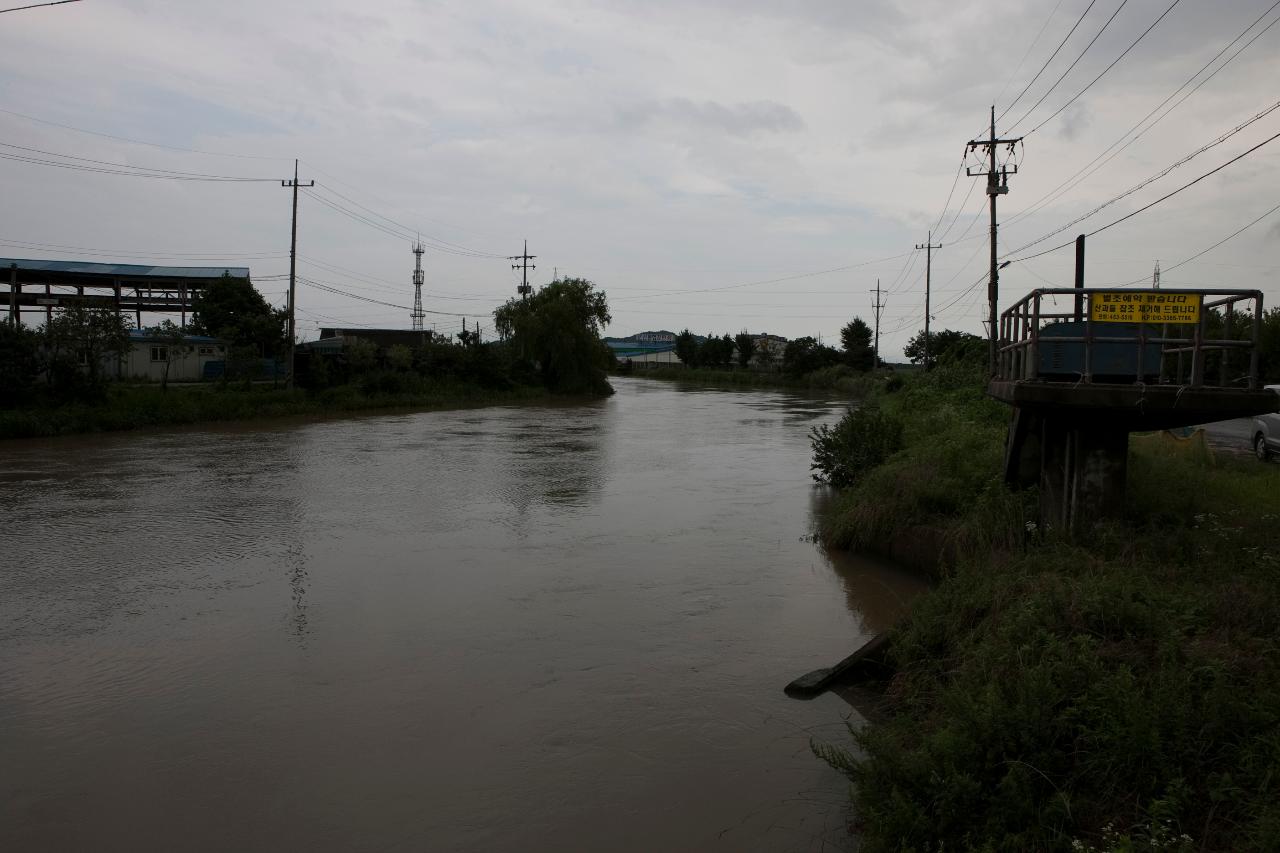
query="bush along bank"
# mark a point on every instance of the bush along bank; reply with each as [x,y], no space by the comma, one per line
[840,378]
[1120,692]
[128,407]
[549,345]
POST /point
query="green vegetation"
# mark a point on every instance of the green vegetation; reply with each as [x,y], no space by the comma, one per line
[1120,692]
[126,407]
[946,347]
[839,378]
[55,381]
[855,337]
[230,308]
[555,335]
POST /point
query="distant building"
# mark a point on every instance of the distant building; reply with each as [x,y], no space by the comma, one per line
[198,357]
[662,337]
[332,338]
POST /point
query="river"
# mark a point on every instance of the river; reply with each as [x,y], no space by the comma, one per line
[561,627]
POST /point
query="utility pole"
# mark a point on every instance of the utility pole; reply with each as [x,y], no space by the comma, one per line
[1155,277]
[524,266]
[997,185]
[293,262]
[928,272]
[877,306]
[417,314]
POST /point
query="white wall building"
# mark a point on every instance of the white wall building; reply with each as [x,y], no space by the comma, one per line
[148,355]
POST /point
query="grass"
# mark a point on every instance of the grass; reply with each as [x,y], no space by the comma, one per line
[1117,692]
[143,406]
[838,378]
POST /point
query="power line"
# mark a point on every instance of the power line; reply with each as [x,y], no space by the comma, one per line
[1105,70]
[765,281]
[445,245]
[338,291]
[1047,92]
[1074,181]
[132,141]
[1202,252]
[1061,45]
[38,5]
[1165,171]
[109,167]
[1146,207]
[142,254]
[1035,41]
[390,231]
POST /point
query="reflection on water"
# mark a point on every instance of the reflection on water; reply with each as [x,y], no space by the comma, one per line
[535,628]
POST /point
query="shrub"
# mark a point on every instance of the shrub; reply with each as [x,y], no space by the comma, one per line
[862,440]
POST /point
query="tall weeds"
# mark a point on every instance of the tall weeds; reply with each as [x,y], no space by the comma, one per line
[1117,692]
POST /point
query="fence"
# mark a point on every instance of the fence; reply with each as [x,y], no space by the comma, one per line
[1109,336]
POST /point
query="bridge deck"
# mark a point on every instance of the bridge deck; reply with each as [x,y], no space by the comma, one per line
[1135,407]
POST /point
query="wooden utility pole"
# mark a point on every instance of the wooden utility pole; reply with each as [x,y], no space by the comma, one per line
[997,185]
[524,266]
[293,263]
[928,272]
[877,306]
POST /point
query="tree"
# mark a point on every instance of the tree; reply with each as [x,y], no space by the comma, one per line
[78,339]
[400,357]
[176,346]
[19,363]
[230,308]
[947,347]
[746,347]
[766,353]
[805,355]
[1269,347]
[687,348]
[715,352]
[858,351]
[556,331]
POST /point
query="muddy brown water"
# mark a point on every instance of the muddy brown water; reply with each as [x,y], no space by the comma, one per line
[504,629]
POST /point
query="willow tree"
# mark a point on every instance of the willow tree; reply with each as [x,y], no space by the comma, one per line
[556,332]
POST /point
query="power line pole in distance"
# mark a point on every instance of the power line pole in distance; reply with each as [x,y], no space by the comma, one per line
[524,266]
[293,261]
[928,271]
[997,185]
[877,306]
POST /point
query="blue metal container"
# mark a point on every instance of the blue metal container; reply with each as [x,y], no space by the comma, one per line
[1111,361]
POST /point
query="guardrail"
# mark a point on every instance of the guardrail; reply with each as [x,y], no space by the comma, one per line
[1109,336]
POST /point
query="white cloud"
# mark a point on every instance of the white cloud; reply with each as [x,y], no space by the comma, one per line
[645,145]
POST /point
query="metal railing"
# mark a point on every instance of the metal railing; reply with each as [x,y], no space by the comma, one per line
[1187,355]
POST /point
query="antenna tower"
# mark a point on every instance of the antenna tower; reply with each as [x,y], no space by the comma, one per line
[417,314]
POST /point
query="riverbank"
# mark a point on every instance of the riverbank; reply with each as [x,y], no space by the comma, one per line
[129,407]
[1120,692]
[839,378]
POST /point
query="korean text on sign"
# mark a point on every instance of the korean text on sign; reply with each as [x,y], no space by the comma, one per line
[1144,306]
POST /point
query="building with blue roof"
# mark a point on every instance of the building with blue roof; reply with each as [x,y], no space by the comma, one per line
[39,285]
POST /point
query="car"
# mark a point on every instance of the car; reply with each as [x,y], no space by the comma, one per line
[1266,432]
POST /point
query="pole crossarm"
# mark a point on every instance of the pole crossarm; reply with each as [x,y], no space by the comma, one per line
[524,266]
[997,185]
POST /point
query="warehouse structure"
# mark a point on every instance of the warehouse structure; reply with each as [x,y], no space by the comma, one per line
[28,286]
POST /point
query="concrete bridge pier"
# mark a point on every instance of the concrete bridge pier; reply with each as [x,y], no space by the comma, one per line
[1082,473]
[1079,463]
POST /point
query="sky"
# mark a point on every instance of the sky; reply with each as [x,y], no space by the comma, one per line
[714,165]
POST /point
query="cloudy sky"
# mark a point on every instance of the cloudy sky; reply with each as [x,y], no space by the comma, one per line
[718,165]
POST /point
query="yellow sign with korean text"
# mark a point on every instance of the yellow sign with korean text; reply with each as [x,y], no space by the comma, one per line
[1144,306]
